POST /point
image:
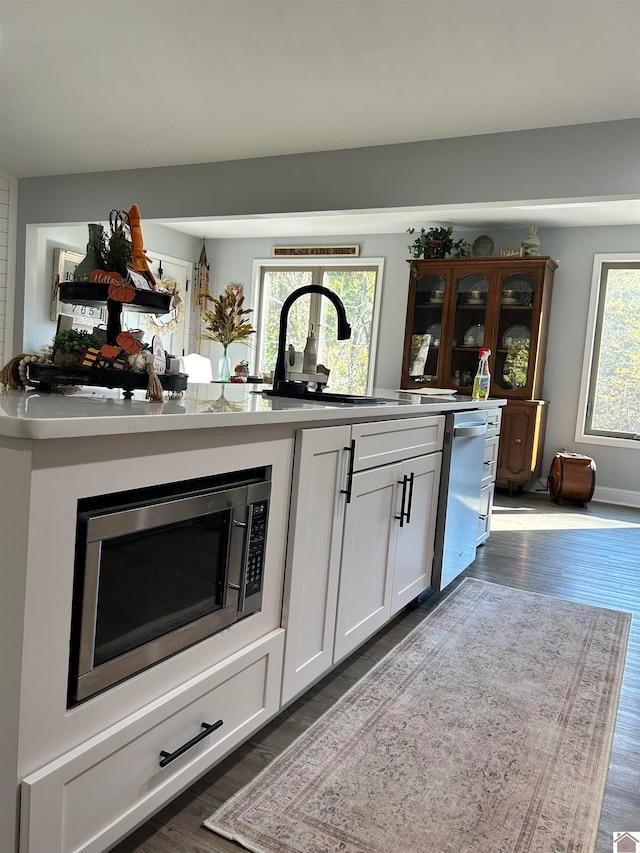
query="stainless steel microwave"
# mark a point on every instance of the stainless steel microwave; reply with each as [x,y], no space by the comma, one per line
[162,568]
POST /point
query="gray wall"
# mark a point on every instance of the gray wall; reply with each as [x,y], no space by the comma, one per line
[578,161]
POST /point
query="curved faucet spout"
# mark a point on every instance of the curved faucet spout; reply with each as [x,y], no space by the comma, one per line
[344,329]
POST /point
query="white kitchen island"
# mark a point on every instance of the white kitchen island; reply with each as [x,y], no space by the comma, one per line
[79,778]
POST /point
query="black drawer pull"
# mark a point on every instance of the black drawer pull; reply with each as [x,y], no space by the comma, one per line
[403,482]
[352,454]
[410,504]
[167,757]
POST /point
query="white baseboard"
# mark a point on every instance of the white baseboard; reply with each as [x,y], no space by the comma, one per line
[622,497]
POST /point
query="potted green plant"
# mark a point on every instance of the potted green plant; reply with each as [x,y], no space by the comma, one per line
[438,242]
[69,343]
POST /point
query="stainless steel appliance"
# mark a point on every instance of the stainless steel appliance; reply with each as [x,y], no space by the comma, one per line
[459,502]
[161,568]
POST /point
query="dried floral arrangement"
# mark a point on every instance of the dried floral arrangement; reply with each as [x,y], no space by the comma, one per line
[226,320]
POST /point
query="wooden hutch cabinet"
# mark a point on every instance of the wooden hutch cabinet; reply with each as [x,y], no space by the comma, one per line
[457,305]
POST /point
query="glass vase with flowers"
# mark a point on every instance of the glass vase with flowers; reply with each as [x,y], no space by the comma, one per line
[225,321]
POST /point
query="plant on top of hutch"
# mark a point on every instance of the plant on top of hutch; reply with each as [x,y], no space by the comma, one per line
[438,242]
[456,306]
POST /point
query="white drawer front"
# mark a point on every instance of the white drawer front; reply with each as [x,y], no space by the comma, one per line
[91,797]
[494,419]
[382,442]
[490,460]
[484,519]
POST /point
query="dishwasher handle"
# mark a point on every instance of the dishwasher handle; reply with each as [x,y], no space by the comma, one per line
[475,429]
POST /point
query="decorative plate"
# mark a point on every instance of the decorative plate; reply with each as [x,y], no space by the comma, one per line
[474,336]
[522,292]
[516,333]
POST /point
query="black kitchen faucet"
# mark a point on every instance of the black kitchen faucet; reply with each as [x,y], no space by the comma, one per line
[344,329]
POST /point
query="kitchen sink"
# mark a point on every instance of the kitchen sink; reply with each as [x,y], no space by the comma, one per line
[326,398]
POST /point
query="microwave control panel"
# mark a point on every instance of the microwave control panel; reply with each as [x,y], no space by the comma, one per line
[256,547]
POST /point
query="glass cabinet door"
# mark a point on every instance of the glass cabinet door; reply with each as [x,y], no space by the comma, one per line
[469,329]
[426,331]
[513,356]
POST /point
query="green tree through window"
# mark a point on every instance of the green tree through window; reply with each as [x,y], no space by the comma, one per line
[614,394]
[349,361]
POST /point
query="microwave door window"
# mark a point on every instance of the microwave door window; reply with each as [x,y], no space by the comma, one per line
[157,580]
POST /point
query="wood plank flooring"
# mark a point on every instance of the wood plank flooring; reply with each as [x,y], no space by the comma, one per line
[588,555]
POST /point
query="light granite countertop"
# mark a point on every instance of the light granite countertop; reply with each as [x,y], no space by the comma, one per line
[100,411]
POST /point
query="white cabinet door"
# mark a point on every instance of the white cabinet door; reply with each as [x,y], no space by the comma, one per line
[368,548]
[313,555]
[414,548]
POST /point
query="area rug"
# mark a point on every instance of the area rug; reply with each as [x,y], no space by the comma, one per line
[487,729]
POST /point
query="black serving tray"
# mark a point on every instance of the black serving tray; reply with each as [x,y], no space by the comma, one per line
[96,295]
[47,376]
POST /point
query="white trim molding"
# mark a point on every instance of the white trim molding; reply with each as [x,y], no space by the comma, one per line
[621,497]
[8,262]
[587,362]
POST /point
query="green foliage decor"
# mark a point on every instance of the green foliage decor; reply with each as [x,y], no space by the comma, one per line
[457,248]
[74,340]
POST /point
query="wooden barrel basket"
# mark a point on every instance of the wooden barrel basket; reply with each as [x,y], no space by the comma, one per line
[572,478]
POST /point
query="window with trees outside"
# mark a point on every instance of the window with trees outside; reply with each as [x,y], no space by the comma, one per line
[351,362]
[610,391]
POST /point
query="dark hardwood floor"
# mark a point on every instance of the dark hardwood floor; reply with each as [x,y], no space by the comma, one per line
[588,555]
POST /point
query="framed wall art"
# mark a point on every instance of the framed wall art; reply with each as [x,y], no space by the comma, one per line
[64,264]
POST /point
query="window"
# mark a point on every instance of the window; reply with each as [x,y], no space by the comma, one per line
[610,393]
[351,362]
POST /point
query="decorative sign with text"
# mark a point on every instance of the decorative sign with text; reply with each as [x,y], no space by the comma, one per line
[302,251]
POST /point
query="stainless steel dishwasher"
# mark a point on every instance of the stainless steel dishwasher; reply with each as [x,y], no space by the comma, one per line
[459,501]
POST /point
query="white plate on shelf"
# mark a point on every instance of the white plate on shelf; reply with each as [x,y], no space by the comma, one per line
[516,333]
[476,334]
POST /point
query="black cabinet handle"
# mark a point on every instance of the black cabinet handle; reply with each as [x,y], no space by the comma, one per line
[167,757]
[352,456]
[402,482]
[410,498]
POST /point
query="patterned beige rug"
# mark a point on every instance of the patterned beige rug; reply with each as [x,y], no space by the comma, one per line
[487,729]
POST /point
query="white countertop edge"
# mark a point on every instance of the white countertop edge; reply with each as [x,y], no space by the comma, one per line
[152,417]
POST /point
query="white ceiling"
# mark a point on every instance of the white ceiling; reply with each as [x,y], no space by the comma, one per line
[97,85]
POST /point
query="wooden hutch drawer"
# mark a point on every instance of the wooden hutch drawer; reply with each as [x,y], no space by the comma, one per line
[94,795]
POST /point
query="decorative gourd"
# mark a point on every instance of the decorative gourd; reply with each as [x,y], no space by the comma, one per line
[122,291]
[130,344]
[109,352]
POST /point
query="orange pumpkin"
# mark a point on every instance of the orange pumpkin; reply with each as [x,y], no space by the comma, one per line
[109,351]
[122,291]
[128,343]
